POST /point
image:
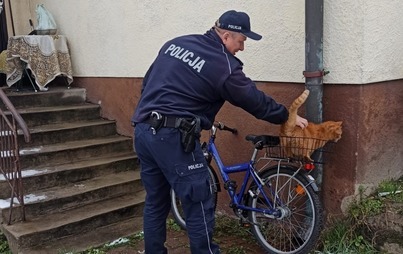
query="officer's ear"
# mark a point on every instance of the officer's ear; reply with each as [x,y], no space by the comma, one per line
[226,35]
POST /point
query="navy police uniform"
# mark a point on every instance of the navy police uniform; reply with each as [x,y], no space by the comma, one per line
[191,77]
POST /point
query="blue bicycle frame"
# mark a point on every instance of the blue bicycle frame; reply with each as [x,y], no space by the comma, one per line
[237,199]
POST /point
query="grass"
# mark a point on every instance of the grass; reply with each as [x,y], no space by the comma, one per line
[4,248]
[226,225]
[352,233]
[230,230]
[344,236]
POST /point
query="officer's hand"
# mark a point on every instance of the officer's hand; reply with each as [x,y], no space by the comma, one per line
[301,122]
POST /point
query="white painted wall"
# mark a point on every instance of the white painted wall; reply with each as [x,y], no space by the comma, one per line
[363,39]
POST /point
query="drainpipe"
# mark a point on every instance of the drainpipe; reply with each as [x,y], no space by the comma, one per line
[314,69]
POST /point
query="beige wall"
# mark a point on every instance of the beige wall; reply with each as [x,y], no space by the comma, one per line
[112,43]
[362,39]
[120,38]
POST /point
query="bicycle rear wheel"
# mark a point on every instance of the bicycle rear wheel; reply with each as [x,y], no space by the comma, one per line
[297,227]
[176,208]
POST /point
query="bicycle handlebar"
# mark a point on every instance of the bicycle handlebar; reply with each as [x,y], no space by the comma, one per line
[223,127]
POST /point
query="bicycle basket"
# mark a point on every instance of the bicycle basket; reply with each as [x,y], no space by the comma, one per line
[299,149]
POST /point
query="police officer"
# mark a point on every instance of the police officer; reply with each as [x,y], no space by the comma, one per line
[182,92]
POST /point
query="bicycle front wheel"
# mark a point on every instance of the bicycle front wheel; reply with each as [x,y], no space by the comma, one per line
[176,207]
[296,226]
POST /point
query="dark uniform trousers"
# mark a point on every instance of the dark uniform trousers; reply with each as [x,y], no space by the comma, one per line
[165,164]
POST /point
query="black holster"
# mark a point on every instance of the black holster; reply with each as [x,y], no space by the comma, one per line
[190,132]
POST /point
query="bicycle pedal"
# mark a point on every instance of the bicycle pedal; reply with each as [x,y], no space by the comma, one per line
[245,224]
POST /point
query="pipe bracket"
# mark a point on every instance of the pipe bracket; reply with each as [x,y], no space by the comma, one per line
[314,74]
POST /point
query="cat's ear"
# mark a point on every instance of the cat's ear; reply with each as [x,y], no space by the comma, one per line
[339,123]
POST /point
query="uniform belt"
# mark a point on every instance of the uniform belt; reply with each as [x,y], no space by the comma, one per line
[168,121]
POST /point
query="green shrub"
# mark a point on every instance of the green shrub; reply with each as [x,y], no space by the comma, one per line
[4,248]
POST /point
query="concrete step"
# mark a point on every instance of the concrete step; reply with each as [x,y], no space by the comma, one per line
[55,96]
[68,196]
[42,177]
[54,229]
[68,131]
[90,239]
[73,150]
[81,180]
[36,116]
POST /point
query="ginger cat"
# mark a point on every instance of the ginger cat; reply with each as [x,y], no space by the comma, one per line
[305,141]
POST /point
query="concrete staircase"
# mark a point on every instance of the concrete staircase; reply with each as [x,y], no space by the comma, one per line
[82,184]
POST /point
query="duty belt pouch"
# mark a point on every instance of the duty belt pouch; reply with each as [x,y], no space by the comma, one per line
[156,121]
[190,132]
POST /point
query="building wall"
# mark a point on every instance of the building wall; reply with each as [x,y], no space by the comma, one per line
[121,38]
[112,43]
[361,41]
[369,152]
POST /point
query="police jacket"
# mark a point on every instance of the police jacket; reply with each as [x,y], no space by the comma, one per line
[194,75]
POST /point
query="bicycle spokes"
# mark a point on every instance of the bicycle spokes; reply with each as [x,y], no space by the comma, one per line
[295,208]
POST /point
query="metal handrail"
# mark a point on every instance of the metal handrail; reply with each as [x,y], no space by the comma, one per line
[9,153]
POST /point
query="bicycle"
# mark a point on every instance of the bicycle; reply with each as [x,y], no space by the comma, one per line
[279,200]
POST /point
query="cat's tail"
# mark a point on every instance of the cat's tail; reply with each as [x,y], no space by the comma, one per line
[299,101]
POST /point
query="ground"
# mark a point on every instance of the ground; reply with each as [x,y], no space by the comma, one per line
[232,237]
[178,243]
[386,231]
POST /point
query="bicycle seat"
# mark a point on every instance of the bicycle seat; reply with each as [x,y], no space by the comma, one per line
[260,141]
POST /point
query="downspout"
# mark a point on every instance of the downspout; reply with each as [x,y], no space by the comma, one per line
[314,69]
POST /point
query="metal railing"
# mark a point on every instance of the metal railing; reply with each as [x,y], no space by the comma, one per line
[9,152]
